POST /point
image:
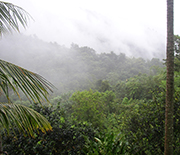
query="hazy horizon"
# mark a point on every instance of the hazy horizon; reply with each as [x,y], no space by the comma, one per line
[102,25]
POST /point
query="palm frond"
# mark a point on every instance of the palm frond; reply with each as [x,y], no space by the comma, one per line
[11,17]
[13,77]
[25,119]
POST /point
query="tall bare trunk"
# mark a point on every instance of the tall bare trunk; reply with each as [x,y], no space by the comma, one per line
[168,146]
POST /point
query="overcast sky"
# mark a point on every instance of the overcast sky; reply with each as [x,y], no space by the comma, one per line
[105,25]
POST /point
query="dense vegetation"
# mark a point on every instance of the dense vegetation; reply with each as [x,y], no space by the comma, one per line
[105,103]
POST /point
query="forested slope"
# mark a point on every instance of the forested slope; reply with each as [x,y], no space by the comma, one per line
[74,68]
[105,103]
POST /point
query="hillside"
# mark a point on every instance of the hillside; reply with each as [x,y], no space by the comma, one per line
[74,68]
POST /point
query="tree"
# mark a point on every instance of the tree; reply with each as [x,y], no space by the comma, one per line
[88,106]
[168,146]
[13,77]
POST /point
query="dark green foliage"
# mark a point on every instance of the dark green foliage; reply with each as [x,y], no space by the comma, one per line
[136,110]
[64,139]
[144,126]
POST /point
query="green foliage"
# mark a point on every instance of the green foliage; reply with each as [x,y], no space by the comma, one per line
[140,118]
[108,143]
[143,125]
[125,100]
[65,138]
[144,128]
[108,108]
[93,107]
[140,86]
[88,107]
[177,84]
[103,86]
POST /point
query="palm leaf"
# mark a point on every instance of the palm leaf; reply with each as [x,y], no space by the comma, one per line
[34,86]
[25,119]
[14,77]
[11,17]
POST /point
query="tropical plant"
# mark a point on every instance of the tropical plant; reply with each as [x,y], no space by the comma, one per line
[108,143]
[13,78]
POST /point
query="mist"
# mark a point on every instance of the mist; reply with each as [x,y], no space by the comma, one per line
[75,68]
[118,26]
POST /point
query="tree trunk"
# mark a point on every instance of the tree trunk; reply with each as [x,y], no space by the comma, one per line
[168,146]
